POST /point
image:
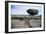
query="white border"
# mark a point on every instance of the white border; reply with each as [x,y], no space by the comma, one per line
[23,29]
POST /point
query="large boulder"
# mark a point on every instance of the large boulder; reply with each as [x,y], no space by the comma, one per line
[32,11]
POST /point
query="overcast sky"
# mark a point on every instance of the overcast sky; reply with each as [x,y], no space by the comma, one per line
[22,9]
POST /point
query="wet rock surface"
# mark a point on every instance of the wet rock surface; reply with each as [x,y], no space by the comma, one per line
[26,23]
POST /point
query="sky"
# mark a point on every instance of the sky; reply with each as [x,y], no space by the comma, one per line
[22,9]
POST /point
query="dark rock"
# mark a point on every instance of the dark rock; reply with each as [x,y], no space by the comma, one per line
[32,11]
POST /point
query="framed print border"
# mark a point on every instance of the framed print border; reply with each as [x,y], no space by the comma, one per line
[6,16]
